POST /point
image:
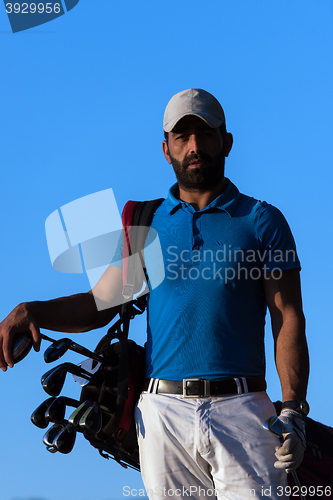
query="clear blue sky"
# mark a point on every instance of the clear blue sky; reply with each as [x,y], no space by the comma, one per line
[81,111]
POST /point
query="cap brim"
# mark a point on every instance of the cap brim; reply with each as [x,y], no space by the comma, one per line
[211,121]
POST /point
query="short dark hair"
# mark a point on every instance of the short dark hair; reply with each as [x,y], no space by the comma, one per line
[223,131]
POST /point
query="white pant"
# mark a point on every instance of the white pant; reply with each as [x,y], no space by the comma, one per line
[212,447]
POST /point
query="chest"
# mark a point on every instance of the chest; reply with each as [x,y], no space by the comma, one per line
[205,236]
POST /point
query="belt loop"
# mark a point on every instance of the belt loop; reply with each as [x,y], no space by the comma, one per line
[246,389]
[155,385]
[151,381]
[239,385]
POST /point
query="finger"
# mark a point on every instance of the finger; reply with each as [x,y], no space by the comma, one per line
[286,466]
[287,446]
[7,350]
[296,453]
[285,458]
[36,337]
[283,450]
[290,464]
[3,364]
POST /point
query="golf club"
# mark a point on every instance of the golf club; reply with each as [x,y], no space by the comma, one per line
[77,376]
[59,347]
[53,381]
[60,438]
[91,420]
[38,416]
[22,344]
[274,425]
[46,375]
[51,434]
[65,439]
[75,417]
[56,410]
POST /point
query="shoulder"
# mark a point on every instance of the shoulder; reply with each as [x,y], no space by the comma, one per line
[265,218]
[267,214]
[272,229]
[259,210]
[256,209]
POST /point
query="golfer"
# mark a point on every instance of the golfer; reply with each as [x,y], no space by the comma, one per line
[227,257]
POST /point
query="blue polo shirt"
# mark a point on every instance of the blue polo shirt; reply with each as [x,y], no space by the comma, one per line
[206,319]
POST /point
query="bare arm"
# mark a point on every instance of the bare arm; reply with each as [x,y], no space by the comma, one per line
[76,313]
[284,301]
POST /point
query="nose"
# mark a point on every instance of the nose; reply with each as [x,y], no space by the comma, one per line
[194,144]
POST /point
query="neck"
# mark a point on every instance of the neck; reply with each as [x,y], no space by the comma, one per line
[200,199]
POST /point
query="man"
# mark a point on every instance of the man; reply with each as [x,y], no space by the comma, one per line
[226,256]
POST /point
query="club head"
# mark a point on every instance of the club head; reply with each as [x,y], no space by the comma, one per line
[274,425]
[54,380]
[65,439]
[56,350]
[43,377]
[75,417]
[59,347]
[38,416]
[91,420]
[22,344]
[56,411]
[51,434]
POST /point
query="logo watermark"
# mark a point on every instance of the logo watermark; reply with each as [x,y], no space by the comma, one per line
[227,264]
[186,491]
[260,492]
[86,236]
[24,15]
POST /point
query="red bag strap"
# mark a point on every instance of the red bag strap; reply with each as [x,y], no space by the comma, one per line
[127,217]
[136,214]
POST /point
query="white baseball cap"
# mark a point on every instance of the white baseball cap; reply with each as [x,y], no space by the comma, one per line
[195,102]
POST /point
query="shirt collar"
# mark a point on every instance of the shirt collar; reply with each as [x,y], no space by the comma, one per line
[227,201]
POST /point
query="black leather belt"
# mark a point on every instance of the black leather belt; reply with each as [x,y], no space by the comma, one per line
[198,388]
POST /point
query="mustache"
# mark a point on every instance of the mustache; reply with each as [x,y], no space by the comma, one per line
[205,158]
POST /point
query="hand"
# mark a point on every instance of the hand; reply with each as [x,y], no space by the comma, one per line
[18,321]
[290,453]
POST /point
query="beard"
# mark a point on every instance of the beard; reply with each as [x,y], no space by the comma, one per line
[199,179]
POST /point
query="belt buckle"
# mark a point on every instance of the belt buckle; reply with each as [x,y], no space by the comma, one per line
[206,388]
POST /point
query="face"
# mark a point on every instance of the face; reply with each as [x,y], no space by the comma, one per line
[197,154]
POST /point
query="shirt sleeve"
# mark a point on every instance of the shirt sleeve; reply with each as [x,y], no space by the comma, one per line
[277,244]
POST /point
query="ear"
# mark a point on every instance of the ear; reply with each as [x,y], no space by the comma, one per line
[165,148]
[228,142]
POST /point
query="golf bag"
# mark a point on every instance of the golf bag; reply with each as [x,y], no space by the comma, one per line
[117,388]
[117,437]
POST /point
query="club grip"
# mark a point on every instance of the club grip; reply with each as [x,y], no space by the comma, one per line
[22,344]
